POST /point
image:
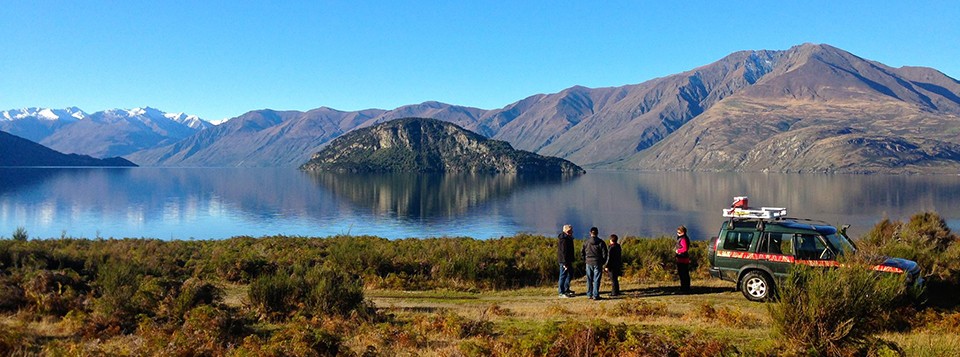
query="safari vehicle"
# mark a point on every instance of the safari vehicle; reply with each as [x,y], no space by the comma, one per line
[757,247]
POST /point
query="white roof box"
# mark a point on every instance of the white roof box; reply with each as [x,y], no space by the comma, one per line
[762,213]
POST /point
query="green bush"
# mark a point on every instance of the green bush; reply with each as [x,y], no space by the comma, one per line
[20,234]
[332,292]
[274,294]
[195,292]
[926,239]
[318,290]
[835,311]
[117,283]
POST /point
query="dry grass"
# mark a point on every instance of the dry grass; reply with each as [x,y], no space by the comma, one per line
[926,343]
[444,323]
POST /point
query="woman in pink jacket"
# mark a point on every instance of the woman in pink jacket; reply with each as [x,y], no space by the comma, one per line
[683,259]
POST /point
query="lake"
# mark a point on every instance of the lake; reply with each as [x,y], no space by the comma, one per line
[217,203]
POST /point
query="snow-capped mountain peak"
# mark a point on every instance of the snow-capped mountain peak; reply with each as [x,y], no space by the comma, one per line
[68,114]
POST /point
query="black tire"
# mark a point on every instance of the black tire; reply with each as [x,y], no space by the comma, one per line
[756,286]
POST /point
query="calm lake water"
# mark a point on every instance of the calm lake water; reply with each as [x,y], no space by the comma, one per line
[205,203]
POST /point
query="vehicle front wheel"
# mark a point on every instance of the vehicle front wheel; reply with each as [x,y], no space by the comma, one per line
[756,286]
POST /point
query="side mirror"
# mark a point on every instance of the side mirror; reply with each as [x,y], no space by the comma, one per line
[843,229]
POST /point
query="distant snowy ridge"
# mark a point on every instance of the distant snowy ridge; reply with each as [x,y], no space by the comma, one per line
[73,114]
[67,114]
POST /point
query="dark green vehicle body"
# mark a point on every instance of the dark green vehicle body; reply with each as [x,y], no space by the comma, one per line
[757,253]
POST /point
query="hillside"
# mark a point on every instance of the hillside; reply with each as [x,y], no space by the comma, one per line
[18,151]
[823,110]
[429,145]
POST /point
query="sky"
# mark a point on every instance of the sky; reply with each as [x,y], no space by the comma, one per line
[220,59]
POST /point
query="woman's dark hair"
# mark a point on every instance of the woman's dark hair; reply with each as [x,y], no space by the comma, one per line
[614,238]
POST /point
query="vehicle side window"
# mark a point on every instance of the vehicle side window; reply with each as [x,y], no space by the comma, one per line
[810,247]
[776,243]
[737,240]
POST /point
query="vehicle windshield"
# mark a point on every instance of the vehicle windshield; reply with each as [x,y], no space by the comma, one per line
[841,244]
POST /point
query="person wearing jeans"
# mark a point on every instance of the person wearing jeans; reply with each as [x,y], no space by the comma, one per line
[565,258]
[594,253]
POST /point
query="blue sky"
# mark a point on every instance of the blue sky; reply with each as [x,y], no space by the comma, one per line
[220,59]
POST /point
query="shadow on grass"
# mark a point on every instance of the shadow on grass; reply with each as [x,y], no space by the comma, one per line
[415,309]
[674,290]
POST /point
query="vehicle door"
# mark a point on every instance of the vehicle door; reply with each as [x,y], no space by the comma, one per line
[734,251]
[776,250]
[811,249]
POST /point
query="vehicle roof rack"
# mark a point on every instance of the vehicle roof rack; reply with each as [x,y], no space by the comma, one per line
[762,213]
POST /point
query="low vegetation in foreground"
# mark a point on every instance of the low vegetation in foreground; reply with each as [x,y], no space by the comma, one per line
[367,296]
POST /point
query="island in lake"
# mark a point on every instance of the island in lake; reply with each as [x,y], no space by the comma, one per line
[429,145]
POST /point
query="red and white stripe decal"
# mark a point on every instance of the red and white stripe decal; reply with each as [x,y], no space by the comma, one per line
[790,259]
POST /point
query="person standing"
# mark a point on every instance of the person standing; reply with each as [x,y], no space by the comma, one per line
[683,259]
[614,264]
[594,253]
[565,257]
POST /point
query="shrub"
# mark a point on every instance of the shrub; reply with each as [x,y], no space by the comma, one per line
[926,239]
[319,291]
[299,337]
[11,295]
[333,292]
[834,311]
[274,293]
[117,283]
[54,292]
[206,331]
[195,292]
[20,234]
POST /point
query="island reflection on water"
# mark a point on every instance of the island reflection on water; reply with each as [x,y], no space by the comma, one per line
[216,203]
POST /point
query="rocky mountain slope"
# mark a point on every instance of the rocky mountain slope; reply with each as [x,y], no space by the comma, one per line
[18,151]
[823,110]
[429,145]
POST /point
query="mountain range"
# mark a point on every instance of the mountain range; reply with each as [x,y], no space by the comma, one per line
[811,108]
[114,132]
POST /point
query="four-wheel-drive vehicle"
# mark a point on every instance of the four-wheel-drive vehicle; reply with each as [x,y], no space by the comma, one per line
[757,247]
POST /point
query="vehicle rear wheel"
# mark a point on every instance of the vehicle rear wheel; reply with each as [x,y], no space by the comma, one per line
[756,286]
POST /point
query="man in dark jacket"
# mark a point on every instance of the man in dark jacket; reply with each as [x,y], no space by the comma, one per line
[594,253]
[565,257]
[614,264]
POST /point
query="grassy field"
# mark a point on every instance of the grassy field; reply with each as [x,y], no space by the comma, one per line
[527,321]
[368,296]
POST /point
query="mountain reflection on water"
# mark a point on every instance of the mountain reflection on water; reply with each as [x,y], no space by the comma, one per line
[413,196]
[216,203]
